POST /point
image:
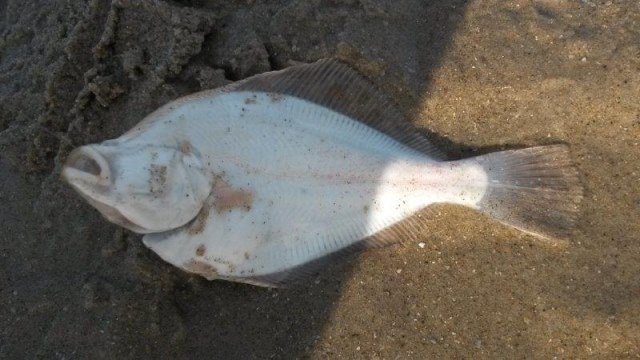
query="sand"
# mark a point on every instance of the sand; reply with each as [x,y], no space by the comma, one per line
[479,75]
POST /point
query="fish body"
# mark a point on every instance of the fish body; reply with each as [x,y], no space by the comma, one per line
[265,181]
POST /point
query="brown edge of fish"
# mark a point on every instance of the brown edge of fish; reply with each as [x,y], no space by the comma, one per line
[198,224]
[201,268]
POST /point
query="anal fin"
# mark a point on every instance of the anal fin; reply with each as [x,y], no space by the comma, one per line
[406,230]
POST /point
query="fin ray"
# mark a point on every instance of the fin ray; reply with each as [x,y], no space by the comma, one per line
[395,233]
[535,190]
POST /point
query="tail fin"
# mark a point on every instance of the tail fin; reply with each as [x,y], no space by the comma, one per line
[535,190]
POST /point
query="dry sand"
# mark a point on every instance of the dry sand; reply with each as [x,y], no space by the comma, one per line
[481,75]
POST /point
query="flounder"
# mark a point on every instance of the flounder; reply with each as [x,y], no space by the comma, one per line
[266,180]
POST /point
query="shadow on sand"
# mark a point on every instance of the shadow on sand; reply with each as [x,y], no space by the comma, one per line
[134,305]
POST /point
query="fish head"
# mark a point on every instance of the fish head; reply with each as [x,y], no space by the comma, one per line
[144,188]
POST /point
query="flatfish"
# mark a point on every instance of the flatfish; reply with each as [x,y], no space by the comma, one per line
[267,180]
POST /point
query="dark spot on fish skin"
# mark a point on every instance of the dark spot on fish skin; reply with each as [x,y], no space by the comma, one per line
[158,178]
[201,268]
[186,147]
[276,97]
[246,256]
[250,101]
[365,209]
[201,250]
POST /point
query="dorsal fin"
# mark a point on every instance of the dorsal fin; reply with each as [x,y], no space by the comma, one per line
[337,86]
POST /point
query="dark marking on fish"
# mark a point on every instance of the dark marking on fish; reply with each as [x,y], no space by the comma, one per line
[201,268]
[200,222]
[337,91]
[229,198]
[223,198]
[186,147]
[158,178]
[275,97]
[201,250]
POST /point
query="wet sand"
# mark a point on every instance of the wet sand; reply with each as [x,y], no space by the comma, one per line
[476,76]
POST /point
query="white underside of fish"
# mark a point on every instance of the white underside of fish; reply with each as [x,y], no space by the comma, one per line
[295,181]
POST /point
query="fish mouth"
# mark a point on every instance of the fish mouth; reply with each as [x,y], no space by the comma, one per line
[89,173]
[86,164]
